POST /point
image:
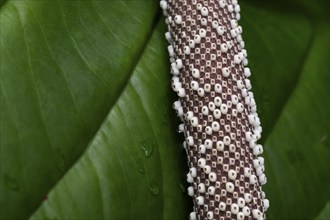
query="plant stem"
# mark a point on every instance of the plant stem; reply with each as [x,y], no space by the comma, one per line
[217,107]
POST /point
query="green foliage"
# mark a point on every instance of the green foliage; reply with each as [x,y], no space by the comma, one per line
[86,114]
[325,213]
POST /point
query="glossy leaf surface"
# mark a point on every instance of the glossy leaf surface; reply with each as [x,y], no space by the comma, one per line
[87,129]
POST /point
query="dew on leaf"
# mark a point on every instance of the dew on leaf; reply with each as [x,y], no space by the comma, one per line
[147,147]
[154,189]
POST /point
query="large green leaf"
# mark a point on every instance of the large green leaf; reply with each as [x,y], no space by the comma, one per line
[86,114]
[131,163]
[63,66]
[325,213]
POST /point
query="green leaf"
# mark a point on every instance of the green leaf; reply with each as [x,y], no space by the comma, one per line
[132,168]
[63,66]
[325,213]
[297,150]
[87,129]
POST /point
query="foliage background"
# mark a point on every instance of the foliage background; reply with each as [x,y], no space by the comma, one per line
[87,129]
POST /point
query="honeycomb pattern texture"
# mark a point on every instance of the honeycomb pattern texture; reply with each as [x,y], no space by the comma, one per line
[217,107]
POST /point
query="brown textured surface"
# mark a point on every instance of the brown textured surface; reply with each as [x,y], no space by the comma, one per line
[208,58]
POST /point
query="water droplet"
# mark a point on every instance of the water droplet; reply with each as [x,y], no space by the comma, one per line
[140,166]
[11,183]
[154,189]
[147,147]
